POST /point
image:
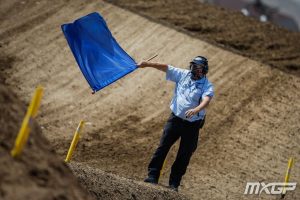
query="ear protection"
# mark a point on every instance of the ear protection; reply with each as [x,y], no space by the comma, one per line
[200,60]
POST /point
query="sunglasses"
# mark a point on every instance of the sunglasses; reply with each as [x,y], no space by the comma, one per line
[195,66]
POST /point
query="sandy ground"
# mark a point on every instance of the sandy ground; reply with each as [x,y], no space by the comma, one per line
[252,125]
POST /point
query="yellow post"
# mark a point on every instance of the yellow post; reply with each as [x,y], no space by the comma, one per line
[26,124]
[287,175]
[74,141]
[162,168]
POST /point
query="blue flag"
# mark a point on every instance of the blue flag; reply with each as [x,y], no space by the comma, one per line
[100,58]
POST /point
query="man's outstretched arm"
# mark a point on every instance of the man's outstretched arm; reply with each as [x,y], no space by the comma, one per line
[159,66]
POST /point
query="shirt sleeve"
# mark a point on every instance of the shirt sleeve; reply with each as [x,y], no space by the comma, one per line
[174,74]
[209,91]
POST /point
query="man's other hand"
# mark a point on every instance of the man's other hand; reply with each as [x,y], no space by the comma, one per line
[190,113]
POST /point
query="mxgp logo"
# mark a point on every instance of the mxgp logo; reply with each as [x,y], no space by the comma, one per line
[270,188]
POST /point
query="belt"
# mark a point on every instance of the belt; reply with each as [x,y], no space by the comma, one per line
[186,121]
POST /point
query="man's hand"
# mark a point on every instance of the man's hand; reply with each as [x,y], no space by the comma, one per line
[205,101]
[190,113]
[142,64]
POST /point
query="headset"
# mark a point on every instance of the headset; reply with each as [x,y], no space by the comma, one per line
[200,60]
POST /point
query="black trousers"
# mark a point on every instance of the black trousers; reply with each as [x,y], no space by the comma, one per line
[174,129]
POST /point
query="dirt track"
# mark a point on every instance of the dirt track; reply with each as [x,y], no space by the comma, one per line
[252,126]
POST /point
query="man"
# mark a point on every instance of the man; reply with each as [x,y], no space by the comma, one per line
[192,94]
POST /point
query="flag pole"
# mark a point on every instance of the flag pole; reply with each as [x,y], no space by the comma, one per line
[152,57]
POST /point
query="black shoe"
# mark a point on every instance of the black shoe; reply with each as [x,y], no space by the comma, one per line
[151,180]
[174,188]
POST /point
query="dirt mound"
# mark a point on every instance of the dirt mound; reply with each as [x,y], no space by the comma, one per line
[104,185]
[228,29]
[38,173]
